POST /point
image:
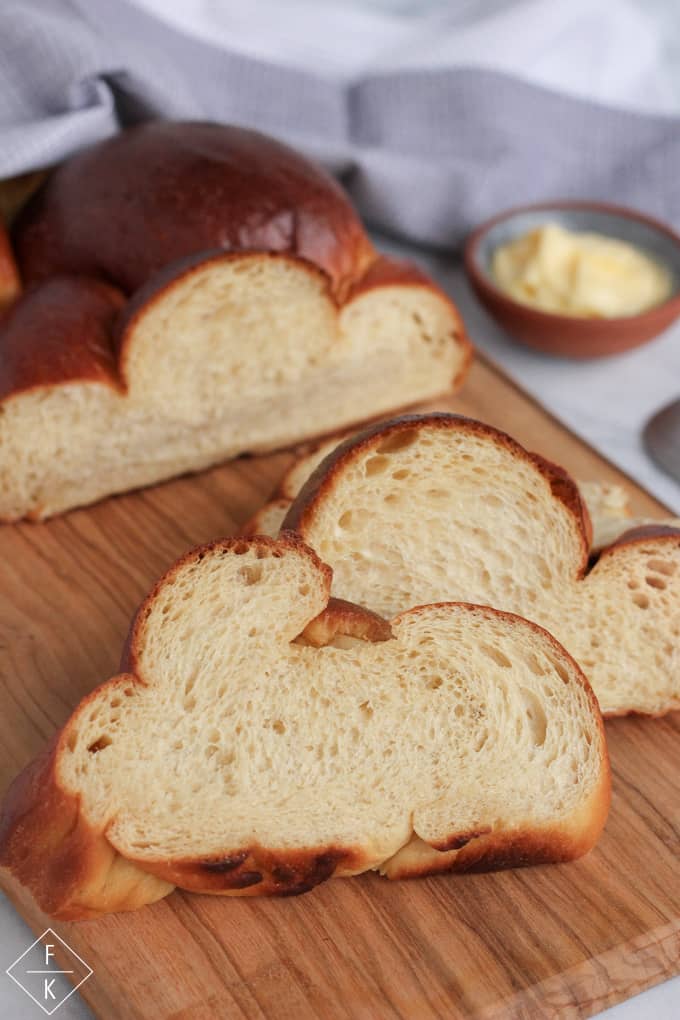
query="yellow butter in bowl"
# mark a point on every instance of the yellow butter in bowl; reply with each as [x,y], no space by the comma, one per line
[580,274]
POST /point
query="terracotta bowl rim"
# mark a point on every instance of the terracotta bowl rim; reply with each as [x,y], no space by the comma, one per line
[484,281]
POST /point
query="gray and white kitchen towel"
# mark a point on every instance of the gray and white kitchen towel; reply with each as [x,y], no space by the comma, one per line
[426,151]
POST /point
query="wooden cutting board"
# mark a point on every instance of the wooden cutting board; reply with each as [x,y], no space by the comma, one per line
[562,941]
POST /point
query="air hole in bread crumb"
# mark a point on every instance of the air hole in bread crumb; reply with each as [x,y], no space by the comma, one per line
[401,474]
[435,683]
[633,584]
[496,655]
[251,573]
[278,726]
[534,665]
[561,670]
[239,549]
[376,466]
[481,741]
[656,582]
[345,521]
[99,744]
[72,740]
[303,590]
[366,708]
[641,600]
[536,717]
[398,441]
[661,567]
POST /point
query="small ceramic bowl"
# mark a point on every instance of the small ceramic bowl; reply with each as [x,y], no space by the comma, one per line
[572,336]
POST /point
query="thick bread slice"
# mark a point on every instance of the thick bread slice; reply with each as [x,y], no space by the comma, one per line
[234,757]
[181,391]
[608,505]
[435,507]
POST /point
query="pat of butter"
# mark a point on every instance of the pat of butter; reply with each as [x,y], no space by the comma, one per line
[588,275]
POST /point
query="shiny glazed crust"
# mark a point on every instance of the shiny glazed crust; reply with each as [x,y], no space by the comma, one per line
[166,190]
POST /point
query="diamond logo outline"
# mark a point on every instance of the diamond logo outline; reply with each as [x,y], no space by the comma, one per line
[87,975]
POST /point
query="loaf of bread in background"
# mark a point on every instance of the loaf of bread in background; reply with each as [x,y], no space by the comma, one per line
[232,756]
[437,507]
[240,307]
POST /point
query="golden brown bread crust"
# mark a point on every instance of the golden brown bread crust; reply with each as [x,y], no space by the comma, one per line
[565,488]
[59,332]
[10,284]
[165,190]
[345,619]
[396,430]
[74,872]
[45,843]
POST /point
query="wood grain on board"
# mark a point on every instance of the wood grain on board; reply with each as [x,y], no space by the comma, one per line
[562,941]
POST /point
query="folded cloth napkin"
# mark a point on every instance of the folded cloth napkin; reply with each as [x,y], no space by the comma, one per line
[426,152]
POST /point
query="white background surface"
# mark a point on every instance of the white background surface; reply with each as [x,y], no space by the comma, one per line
[631,58]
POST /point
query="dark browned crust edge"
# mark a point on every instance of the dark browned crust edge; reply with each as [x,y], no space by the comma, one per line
[261,871]
[322,480]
